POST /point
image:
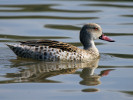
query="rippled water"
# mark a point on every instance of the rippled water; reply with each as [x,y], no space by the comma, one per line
[109,78]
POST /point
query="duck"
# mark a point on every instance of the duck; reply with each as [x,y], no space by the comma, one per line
[50,50]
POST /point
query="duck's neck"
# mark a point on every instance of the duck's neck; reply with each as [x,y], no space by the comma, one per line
[90,45]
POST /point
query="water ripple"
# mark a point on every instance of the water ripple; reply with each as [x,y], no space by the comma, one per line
[30,37]
[46,17]
[41,8]
[126,56]
[62,27]
[109,5]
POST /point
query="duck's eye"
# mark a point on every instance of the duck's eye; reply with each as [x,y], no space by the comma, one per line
[96,28]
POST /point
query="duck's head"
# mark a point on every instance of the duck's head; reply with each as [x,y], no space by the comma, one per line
[90,32]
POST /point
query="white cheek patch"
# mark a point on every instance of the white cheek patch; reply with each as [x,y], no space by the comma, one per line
[96,35]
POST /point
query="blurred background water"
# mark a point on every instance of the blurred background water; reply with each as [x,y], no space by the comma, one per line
[109,78]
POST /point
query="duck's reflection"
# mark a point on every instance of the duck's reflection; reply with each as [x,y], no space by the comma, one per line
[41,71]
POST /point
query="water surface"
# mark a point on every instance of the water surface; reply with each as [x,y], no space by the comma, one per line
[107,78]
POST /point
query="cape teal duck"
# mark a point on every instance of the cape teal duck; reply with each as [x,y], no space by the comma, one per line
[49,50]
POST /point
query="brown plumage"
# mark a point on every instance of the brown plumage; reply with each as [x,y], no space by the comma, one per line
[52,44]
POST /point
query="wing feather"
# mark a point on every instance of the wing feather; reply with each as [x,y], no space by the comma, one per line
[52,44]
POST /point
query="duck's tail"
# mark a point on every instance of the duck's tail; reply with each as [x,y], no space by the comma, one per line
[22,51]
[10,46]
[14,48]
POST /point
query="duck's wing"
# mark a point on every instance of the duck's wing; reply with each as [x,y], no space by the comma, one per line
[51,44]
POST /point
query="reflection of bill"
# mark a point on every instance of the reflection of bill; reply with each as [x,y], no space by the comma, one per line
[91,79]
[41,71]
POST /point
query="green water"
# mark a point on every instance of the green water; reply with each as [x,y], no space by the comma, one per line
[110,78]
